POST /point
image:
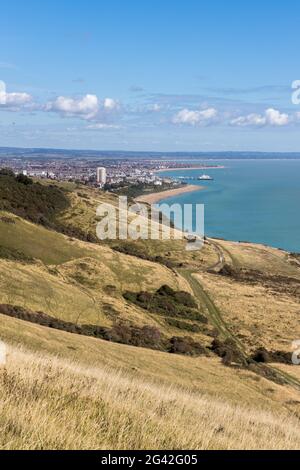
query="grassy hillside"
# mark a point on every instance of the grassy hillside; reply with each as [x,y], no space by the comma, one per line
[31,200]
[257,315]
[81,213]
[78,282]
[228,300]
[76,398]
[37,242]
[83,283]
[82,290]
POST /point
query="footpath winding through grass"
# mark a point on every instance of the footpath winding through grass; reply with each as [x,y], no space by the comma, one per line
[217,320]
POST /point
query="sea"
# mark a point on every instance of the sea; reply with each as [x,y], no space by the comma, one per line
[248,200]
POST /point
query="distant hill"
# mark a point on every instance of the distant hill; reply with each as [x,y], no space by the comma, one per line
[110,154]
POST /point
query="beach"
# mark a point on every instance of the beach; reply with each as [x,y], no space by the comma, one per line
[154,198]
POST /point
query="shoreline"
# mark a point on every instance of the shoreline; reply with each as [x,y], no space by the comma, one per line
[212,167]
[154,198]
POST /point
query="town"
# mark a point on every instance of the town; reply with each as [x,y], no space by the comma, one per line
[105,172]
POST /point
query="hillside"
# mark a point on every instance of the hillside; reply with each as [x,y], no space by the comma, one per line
[215,325]
[68,392]
[45,271]
[29,199]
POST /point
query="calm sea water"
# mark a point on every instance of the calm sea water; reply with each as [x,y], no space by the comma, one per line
[250,200]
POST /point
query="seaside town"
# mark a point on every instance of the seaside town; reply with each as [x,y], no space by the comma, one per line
[105,172]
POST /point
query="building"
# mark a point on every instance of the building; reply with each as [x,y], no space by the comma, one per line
[101,176]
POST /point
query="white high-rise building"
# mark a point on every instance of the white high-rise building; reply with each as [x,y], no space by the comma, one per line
[101,176]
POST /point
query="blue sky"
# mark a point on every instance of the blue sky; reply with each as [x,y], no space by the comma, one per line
[152,75]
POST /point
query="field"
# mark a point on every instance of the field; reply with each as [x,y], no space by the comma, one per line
[63,392]
[62,388]
[70,279]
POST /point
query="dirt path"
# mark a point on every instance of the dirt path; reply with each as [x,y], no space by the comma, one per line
[221,258]
[216,318]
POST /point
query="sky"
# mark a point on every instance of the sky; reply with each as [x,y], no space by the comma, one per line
[164,75]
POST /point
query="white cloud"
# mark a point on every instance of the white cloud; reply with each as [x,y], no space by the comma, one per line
[111,104]
[86,107]
[102,126]
[187,116]
[249,120]
[13,100]
[271,117]
[275,118]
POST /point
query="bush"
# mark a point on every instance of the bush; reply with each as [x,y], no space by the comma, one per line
[228,351]
[183,325]
[166,290]
[184,298]
[7,172]
[132,249]
[32,201]
[121,332]
[187,346]
[165,301]
[261,355]
[130,296]
[146,336]
[23,179]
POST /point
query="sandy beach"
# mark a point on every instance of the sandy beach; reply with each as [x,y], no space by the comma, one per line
[154,198]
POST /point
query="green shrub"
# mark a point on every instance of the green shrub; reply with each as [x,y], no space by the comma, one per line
[167,302]
[132,249]
[33,201]
[183,325]
[23,179]
[121,332]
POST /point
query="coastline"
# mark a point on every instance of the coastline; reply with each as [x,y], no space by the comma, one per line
[154,198]
[201,167]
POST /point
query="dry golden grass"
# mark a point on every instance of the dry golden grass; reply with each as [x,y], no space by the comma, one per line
[50,403]
[82,214]
[259,257]
[68,391]
[205,375]
[69,278]
[263,318]
[80,296]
